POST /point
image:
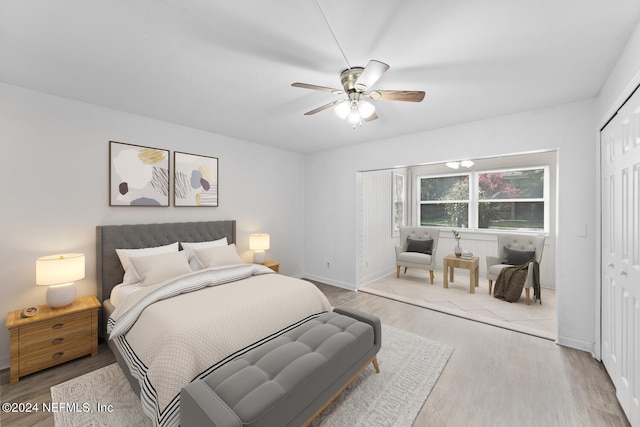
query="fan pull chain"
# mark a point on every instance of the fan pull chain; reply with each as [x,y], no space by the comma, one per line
[334,35]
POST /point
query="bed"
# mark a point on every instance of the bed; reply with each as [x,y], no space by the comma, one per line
[180,329]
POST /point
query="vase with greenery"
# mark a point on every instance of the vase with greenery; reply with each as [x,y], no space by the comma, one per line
[457,250]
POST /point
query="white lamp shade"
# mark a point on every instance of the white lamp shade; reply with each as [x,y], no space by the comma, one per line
[258,242]
[59,269]
[343,109]
[354,116]
[366,109]
[59,272]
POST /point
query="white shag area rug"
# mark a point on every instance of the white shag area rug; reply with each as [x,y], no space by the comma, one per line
[410,366]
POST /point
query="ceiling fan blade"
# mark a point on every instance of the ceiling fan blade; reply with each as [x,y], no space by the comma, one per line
[324,107]
[316,87]
[371,118]
[372,72]
[398,95]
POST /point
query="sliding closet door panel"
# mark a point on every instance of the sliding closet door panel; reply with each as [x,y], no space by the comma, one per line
[620,155]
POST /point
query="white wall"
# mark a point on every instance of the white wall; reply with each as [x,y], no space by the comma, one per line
[55,189]
[624,78]
[332,212]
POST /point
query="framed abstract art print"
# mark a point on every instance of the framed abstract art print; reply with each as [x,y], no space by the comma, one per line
[196,180]
[138,176]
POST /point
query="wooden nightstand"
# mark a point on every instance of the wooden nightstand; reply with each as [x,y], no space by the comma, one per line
[53,336]
[275,266]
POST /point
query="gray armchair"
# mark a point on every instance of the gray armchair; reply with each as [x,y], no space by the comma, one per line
[417,249]
[513,241]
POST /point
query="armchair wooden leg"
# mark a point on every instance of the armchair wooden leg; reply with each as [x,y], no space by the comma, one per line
[490,285]
[526,290]
[405,270]
[431,276]
[397,272]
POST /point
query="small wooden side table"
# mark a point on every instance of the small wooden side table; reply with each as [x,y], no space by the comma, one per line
[53,336]
[275,266]
[472,264]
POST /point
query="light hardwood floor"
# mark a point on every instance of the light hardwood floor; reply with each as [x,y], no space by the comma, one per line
[495,377]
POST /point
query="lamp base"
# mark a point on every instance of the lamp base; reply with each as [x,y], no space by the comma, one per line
[61,295]
[259,257]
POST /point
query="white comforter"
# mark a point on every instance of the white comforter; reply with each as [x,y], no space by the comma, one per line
[184,328]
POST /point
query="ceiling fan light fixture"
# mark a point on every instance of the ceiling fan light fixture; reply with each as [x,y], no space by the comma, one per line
[456,165]
[453,165]
[343,109]
[354,116]
[466,163]
[366,109]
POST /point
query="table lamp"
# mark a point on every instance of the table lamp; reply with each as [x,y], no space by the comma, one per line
[258,243]
[58,272]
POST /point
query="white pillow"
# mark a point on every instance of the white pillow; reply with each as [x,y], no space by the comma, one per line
[158,268]
[125,255]
[218,256]
[191,247]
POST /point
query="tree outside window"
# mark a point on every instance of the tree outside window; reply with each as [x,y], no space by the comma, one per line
[444,201]
[511,200]
[503,199]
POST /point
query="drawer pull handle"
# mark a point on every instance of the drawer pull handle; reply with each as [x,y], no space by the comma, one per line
[57,341]
[58,354]
[57,326]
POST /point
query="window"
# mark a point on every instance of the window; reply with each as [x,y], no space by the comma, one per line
[444,201]
[511,200]
[507,199]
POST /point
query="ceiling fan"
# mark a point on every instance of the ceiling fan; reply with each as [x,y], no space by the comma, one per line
[356,83]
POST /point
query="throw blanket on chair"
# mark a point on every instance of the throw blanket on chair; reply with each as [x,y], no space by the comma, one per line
[511,280]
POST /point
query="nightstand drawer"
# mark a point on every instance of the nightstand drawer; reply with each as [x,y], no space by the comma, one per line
[65,327]
[55,337]
[36,361]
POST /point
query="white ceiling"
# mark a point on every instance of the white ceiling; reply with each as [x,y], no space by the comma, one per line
[227,66]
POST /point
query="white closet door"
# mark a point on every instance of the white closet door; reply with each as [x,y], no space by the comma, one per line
[620,155]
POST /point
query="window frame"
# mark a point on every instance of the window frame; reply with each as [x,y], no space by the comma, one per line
[467,174]
[474,199]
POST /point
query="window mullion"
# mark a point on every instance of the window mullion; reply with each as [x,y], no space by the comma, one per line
[473,201]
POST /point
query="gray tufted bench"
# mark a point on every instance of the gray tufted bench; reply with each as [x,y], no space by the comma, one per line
[289,380]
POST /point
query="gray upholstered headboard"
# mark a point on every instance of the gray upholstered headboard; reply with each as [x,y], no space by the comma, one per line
[112,237]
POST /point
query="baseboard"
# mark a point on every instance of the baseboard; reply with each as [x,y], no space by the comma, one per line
[375,276]
[577,344]
[328,281]
[5,363]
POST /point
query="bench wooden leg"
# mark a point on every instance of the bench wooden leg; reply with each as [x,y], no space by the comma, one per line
[397,272]
[431,275]
[375,364]
[526,290]
[490,285]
